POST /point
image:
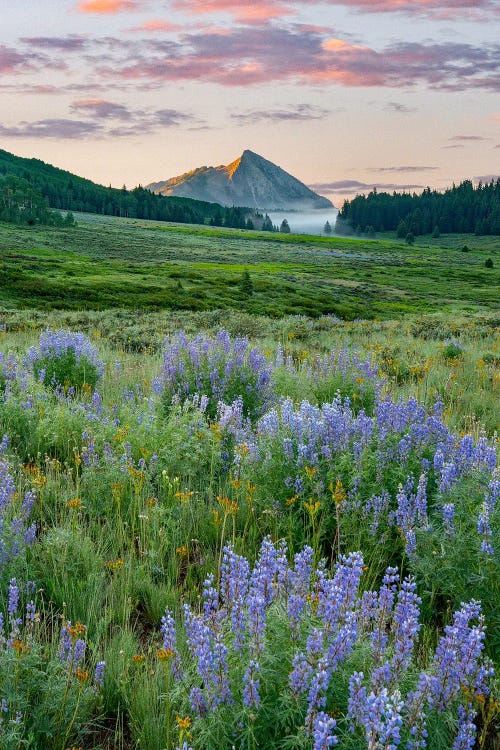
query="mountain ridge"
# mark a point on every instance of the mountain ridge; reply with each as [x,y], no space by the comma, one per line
[250,180]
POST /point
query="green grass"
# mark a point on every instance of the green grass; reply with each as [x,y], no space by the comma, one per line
[118,263]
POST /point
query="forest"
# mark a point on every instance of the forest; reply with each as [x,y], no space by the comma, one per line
[65,191]
[463,208]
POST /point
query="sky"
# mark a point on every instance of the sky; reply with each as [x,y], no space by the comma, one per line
[346,95]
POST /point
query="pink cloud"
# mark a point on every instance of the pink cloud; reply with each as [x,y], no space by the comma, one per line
[101,109]
[155,25]
[10,60]
[106,6]
[443,9]
[243,11]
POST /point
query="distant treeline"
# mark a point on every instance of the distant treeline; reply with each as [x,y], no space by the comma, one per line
[66,191]
[462,208]
[21,203]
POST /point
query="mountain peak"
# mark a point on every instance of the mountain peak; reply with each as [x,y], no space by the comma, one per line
[251,180]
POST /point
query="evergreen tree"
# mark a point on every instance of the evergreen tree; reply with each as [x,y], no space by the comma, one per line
[285,228]
[327,228]
[402,229]
[410,239]
[267,224]
[246,284]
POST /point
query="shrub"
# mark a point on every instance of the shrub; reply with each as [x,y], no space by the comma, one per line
[453,350]
[220,368]
[65,360]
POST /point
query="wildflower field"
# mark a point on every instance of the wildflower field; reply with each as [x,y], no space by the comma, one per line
[219,530]
[228,526]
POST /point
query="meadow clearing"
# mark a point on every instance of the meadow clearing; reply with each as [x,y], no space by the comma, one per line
[277,529]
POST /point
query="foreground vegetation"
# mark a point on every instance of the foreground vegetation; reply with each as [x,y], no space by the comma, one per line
[172,503]
[104,263]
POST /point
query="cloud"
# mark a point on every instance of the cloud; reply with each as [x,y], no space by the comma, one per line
[107,6]
[243,11]
[300,112]
[399,108]
[468,138]
[11,61]
[101,109]
[132,122]
[72,43]
[156,25]
[354,187]
[52,128]
[247,55]
[439,9]
[105,119]
[456,145]
[404,169]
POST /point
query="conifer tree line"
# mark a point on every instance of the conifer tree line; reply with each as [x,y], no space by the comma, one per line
[463,208]
[65,191]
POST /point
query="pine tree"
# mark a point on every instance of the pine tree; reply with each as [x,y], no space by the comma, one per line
[246,284]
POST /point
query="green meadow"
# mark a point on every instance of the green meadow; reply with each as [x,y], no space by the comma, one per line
[118,263]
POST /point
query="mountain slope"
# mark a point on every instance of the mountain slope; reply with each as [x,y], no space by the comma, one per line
[250,181]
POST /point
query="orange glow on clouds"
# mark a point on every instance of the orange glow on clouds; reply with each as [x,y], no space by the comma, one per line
[247,11]
[106,6]
[156,24]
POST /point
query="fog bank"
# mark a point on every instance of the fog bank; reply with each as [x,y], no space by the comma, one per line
[310,222]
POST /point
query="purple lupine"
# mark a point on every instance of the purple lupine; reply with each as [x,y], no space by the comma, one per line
[13,599]
[170,642]
[99,673]
[198,702]
[257,617]
[449,517]
[251,683]
[456,662]
[215,367]
[300,675]
[484,529]
[300,581]
[210,599]
[57,343]
[405,627]
[378,714]
[466,733]
[322,731]
[235,574]
[338,594]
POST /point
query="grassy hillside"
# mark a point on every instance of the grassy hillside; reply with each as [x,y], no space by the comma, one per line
[105,263]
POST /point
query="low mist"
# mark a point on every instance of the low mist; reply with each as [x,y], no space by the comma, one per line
[307,222]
